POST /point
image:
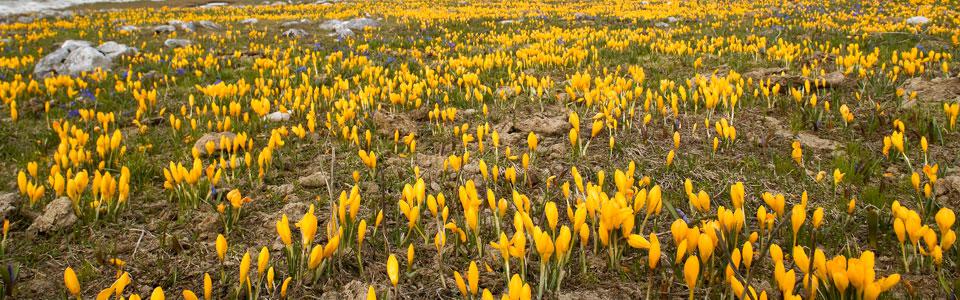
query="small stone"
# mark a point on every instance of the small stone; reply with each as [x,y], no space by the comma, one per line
[315,180]
[57,215]
[278,116]
[344,32]
[833,79]
[7,204]
[214,4]
[201,144]
[210,25]
[387,123]
[294,23]
[917,20]
[164,29]
[369,188]
[281,190]
[295,33]
[542,125]
[362,23]
[177,43]
[209,222]
[506,92]
[294,210]
[250,21]
[186,26]
[808,140]
[330,24]
[583,17]
[934,90]
[949,188]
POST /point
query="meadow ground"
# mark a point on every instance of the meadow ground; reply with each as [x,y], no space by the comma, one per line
[481,149]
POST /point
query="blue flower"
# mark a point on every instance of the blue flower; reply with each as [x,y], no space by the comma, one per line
[87,94]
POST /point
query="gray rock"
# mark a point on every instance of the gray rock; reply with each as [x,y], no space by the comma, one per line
[25,19]
[315,180]
[128,28]
[201,144]
[186,26]
[86,59]
[295,33]
[210,25]
[331,24]
[214,4]
[250,21]
[362,23]
[71,45]
[344,32]
[71,62]
[542,125]
[177,43]
[164,29]
[50,63]
[583,17]
[278,116]
[8,204]
[661,25]
[506,92]
[294,23]
[113,50]
[57,215]
[338,26]
[808,140]
[673,19]
[917,20]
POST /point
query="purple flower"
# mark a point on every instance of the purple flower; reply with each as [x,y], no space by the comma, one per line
[683,216]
